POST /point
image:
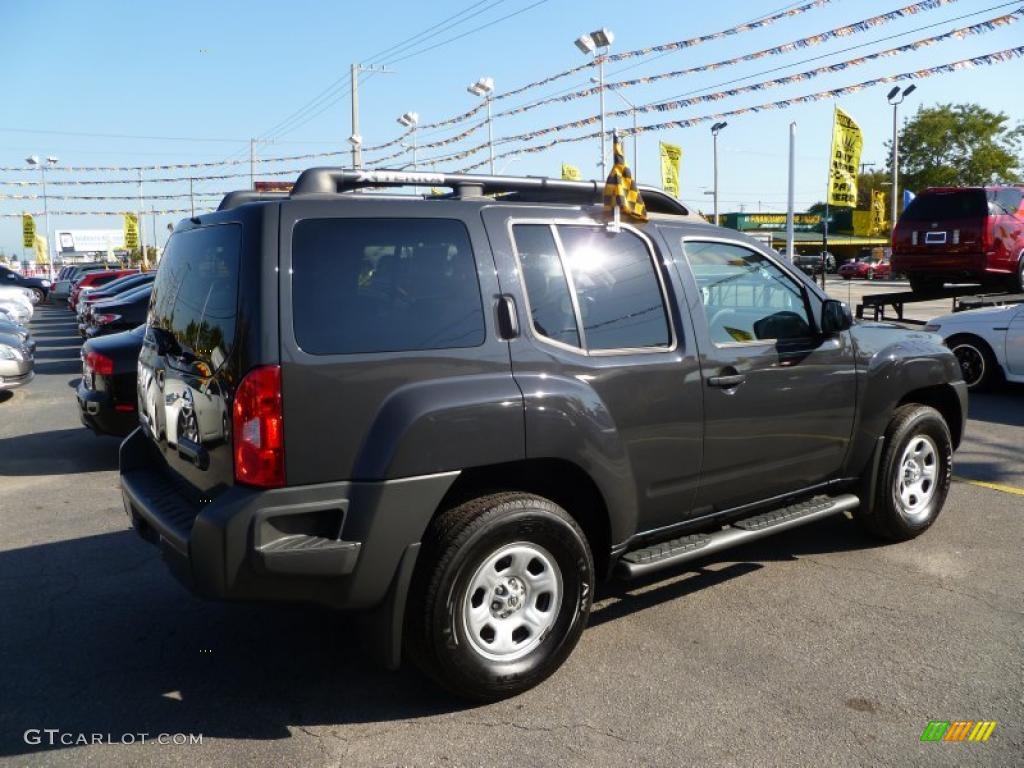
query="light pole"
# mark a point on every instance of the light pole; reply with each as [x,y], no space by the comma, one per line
[896,98]
[51,161]
[485,87]
[632,107]
[714,136]
[411,120]
[589,44]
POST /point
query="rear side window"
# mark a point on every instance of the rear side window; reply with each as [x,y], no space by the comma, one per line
[384,285]
[551,308]
[195,294]
[1008,200]
[941,206]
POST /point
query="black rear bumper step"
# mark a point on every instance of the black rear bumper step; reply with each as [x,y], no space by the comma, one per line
[657,556]
[303,554]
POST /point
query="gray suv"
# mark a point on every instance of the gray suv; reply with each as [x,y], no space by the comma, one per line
[457,413]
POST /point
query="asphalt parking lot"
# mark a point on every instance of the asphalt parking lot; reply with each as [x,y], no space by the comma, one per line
[810,648]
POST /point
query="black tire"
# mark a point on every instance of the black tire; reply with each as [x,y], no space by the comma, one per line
[924,283]
[38,295]
[887,516]
[977,361]
[456,550]
[1017,281]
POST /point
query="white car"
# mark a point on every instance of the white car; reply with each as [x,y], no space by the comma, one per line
[988,342]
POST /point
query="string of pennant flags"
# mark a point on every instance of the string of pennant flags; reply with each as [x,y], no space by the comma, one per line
[768,20]
[804,42]
[988,59]
[167,180]
[667,106]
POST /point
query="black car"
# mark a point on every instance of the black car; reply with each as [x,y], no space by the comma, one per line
[460,412]
[40,287]
[123,311]
[119,286]
[811,263]
[107,390]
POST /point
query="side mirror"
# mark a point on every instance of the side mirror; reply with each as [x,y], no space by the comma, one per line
[835,317]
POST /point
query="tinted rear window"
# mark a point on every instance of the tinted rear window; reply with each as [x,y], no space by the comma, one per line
[195,294]
[940,206]
[384,285]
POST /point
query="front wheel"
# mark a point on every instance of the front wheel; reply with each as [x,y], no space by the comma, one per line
[913,477]
[500,596]
[38,296]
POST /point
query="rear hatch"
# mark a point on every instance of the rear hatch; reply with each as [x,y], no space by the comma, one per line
[189,365]
[941,227]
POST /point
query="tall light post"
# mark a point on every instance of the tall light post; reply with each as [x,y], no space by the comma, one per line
[51,161]
[485,87]
[714,136]
[896,98]
[590,44]
[632,108]
[411,120]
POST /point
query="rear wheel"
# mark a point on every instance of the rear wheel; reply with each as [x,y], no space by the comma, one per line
[1017,282]
[913,476]
[977,361]
[500,596]
[924,283]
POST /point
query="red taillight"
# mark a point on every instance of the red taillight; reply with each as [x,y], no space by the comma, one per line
[105,319]
[259,429]
[99,364]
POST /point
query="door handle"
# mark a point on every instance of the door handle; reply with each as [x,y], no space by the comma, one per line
[508,319]
[727,381]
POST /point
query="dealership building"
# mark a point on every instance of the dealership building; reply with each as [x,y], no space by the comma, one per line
[849,231]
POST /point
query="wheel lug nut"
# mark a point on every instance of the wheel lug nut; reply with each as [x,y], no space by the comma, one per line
[495,606]
[501,589]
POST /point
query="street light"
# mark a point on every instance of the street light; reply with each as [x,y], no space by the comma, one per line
[714,135]
[590,44]
[411,120]
[51,161]
[895,97]
[485,87]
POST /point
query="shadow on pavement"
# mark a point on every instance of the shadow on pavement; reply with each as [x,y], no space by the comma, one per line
[58,452]
[1000,405]
[98,638]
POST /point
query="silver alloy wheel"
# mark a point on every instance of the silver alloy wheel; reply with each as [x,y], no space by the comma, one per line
[917,478]
[512,601]
[37,296]
[972,363]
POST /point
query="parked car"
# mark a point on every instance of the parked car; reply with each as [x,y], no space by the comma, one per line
[11,328]
[16,304]
[16,362]
[988,343]
[811,262]
[462,412]
[962,234]
[118,313]
[119,287]
[93,280]
[107,390]
[68,275]
[38,287]
[866,270]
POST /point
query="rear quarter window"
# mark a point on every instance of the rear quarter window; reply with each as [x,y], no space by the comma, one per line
[195,295]
[942,206]
[384,285]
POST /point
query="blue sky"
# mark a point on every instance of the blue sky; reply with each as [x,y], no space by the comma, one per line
[119,83]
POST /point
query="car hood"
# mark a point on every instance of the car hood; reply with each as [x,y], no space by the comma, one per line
[983,315]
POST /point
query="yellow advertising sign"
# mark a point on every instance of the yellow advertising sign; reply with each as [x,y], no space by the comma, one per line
[847,142]
[131,230]
[28,230]
[571,172]
[878,211]
[41,248]
[670,157]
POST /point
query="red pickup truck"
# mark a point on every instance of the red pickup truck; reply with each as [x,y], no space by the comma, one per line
[962,234]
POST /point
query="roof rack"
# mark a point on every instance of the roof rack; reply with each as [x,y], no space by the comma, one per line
[531,189]
[520,189]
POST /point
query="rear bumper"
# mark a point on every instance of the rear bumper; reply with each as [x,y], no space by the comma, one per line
[97,412]
[971,265]
[336,544]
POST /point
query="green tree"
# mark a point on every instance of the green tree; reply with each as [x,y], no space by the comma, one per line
[958,145]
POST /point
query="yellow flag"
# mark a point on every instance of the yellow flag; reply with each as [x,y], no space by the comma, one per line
[878,211]
[131,231]
[28,230]
[847,142]
[670,157]
[620,190]
[42,249]
[571,172]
